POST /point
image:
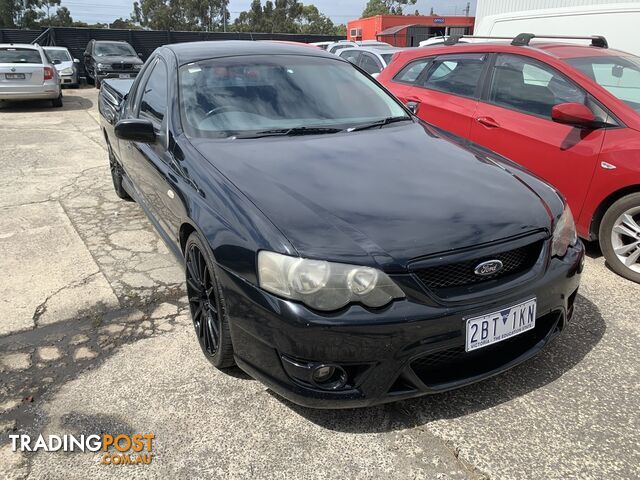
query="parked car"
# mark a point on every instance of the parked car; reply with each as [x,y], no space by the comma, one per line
[371,59]
[65,64]
[27,74]
[335,247]
[569,113]
[337,46]
[107,59]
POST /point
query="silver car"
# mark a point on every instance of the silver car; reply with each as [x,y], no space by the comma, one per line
[371,60]
[336,47]
[66,65]
[27,74]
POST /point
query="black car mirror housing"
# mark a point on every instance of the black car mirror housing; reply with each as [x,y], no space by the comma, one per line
[136,130]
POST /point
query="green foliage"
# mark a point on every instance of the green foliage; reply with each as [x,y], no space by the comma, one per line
[181,14]
[285,16]
[385,7]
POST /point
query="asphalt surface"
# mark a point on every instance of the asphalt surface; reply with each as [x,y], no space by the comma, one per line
[95,337]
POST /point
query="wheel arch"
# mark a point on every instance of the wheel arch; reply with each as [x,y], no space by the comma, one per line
[599,213]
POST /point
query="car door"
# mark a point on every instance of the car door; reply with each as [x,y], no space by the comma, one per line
[403,83]
[514,120]
[149,165]
[446,93]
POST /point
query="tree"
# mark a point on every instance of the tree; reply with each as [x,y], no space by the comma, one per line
[181,14]
[9,10]
[314,22]
[385,7]
[124,24]
[62,18]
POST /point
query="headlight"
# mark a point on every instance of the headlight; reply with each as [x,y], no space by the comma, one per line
[564,234]
[324,285]
[67,71]
[102,66]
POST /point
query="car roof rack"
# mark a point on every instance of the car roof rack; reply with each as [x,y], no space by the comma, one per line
[523,39]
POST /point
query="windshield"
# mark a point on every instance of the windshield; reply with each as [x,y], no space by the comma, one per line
[243,95]
[61,55]
[19,55]
[114,49]
[619,75]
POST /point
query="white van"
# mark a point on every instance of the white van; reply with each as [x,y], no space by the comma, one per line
[617,22]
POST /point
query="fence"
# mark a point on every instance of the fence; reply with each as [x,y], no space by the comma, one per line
[143,41]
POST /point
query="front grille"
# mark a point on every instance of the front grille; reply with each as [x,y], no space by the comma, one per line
[454,364]
[462,274]
[122,66]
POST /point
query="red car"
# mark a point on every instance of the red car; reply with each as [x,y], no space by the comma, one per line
[569,113]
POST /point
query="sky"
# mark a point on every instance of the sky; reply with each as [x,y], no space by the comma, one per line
[340,11]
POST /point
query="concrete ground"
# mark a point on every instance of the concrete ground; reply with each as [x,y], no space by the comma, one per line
[95,337]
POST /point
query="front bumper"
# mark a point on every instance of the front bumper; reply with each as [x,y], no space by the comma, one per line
[410,348]
[69,79]
[106,75]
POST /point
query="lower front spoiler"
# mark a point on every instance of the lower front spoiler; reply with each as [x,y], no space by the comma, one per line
[423,375]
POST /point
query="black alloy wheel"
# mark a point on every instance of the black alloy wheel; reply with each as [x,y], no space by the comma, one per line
[207,305]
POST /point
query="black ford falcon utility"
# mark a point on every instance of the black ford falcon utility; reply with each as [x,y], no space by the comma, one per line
[335,247]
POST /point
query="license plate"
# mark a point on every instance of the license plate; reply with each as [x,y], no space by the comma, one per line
[14,76]
[497,326]
[124,75]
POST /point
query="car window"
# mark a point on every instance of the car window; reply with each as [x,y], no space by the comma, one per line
[387,57]
[153,105]
[370,64]
[619,75]
[229,96]
[456,74]
[19,55]
[56,54]
[411,72]
[351,55]
[114,49]
[335,48]
[532,87]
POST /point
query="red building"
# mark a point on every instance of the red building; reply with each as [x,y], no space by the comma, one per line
[407,30]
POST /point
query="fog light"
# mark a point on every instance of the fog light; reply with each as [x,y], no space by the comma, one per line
[329,377]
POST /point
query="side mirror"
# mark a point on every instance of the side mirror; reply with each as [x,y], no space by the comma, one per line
[575,114]
[75,60]
[135,130]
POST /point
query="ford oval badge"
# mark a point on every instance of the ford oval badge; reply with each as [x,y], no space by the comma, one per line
[487,268]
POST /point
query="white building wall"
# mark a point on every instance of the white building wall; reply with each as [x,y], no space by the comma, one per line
[495,7]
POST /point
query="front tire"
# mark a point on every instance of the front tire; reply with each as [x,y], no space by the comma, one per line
[620,237]
[116,177]
[207,304]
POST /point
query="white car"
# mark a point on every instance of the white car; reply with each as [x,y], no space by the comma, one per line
[27,74]
[342,44]
[371,59]
[66,65]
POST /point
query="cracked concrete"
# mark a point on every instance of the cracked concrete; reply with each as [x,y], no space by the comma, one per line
[96,336]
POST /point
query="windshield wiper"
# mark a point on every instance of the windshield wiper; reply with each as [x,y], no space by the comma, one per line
[379,123]
[282,132]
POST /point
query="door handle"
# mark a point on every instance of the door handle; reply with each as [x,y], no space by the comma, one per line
[488,122]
